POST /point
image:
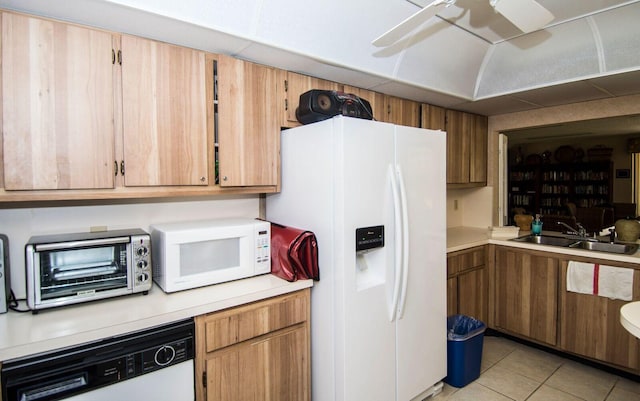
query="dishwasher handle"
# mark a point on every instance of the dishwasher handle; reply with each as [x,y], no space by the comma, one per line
[52,388]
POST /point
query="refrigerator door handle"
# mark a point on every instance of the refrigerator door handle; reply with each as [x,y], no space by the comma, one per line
[405,243]
[397,213]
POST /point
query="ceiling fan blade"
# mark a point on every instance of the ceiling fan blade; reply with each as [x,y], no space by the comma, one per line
[397,32]
[527,15]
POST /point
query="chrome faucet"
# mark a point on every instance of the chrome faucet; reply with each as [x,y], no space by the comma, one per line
[581,231]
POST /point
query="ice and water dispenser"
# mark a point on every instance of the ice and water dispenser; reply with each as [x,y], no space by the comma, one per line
[371,256]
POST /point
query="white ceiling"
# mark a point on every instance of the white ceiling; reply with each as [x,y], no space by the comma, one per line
[469,58]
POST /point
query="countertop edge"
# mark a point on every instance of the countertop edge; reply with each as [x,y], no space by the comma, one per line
[461,238]
[23,334]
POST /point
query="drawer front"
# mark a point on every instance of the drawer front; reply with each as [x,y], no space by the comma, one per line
[240,324]
[465,260]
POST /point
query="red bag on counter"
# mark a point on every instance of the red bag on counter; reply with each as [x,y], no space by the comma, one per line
[294,253]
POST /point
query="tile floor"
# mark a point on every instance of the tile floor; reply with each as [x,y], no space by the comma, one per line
[513,371]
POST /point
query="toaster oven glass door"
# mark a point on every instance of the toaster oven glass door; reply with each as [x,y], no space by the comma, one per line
[71,272]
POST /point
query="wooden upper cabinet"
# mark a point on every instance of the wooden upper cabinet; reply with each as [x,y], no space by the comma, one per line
[466,149]
[401,111]
[433,117]
[164,114]
[248,124]
[294,86]
[375,99]
[57,108]
[478,150]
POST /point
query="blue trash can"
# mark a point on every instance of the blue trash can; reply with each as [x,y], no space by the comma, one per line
[464,349]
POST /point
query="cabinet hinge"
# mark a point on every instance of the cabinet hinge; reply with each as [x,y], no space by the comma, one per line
[204,379]
[286,85]
[286,104]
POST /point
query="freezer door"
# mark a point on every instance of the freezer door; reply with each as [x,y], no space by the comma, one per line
[364,199]
[421,326]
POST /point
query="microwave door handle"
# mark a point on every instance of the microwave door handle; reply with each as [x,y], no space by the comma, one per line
[79,244]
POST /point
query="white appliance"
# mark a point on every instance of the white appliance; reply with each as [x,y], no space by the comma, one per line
[198,253]
[378,316]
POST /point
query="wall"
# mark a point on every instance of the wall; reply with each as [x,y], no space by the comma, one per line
[619,106]
[463,206]
[19,224]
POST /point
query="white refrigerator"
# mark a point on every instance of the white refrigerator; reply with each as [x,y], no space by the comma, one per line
[374,194]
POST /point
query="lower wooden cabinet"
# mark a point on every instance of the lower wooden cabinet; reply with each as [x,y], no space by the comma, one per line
[590,324]
[526,291]
[258,351]
[468,283]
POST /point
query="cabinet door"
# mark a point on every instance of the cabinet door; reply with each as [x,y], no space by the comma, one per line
[590,326]
[526,293]
[473,294]
[296,85]
[433,117]
[271,368]
[401,111]
[248,129]
[164,114]
[375,99]
[458,147]
[466,148]
[478,150]
[57,109]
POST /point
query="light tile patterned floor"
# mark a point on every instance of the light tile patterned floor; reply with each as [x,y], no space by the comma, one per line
[514,372]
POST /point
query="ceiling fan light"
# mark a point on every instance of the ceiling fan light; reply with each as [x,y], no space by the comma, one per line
[527,15]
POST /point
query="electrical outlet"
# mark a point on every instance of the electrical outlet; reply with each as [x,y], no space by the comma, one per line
[455,204]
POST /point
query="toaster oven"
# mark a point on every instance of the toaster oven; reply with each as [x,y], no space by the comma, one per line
[72,268]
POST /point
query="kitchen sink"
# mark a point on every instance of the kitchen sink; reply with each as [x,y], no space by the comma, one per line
[547,240]
[608,247]
[579,243]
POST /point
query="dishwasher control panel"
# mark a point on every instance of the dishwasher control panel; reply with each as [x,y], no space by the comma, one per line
[60,374]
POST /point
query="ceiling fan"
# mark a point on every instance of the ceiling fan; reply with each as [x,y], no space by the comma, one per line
[527,15]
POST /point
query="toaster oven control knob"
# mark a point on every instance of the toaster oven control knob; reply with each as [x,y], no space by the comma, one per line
[143,277]
[142,264]
[164,355]
[142,251]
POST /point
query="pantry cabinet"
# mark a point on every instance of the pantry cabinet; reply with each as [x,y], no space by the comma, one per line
[259,351]
[590,324]
[248,131]
[468,283]
[526,293]
[58,105]
[164,114]
[466,149]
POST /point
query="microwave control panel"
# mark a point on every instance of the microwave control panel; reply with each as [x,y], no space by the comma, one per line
[263,247]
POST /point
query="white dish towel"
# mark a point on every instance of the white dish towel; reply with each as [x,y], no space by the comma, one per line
[605,281]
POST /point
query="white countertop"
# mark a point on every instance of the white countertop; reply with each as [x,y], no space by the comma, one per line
[630,318]
[24,334]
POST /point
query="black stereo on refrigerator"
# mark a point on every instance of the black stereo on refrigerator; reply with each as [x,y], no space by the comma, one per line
[317,105]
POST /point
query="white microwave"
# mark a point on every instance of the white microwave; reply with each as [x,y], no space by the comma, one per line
[199,253]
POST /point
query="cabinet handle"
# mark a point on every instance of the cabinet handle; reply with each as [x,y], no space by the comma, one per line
[120,57]
[113,56]
[115,168]
[122,167]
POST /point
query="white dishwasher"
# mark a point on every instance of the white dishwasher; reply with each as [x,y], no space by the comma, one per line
[154,364]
